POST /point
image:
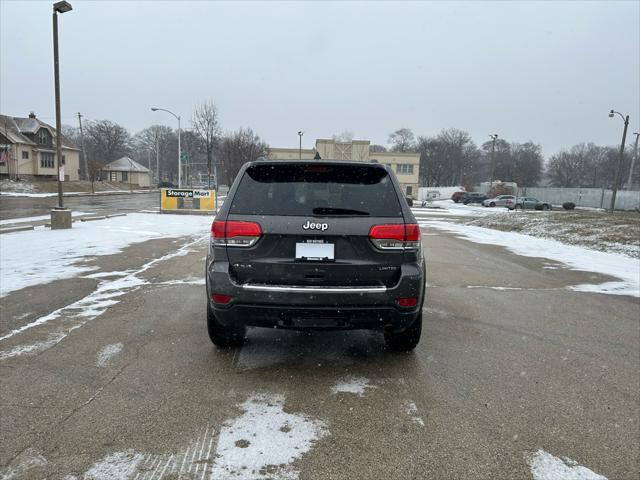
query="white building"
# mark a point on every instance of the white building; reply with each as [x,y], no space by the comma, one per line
[125,170]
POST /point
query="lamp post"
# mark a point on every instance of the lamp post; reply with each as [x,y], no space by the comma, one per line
[154,109]
[616,176]
[60,217]
[633,161]
[300,134]
[493,137]
[59,7]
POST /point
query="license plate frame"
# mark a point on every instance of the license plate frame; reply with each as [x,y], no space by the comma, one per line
[315,252]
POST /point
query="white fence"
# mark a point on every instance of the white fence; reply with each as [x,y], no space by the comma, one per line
[584,197]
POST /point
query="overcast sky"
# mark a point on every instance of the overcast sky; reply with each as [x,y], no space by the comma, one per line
[541,71]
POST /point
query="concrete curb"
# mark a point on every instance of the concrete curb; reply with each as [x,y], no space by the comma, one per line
[16,229]
[104,194]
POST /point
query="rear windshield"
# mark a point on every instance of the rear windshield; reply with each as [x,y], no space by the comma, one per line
[316,189]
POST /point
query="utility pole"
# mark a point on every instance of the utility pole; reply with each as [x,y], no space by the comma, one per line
[157,160]
[494,137]
[149,167]
[84,152]
[633,161]
[300,134]
[616,177]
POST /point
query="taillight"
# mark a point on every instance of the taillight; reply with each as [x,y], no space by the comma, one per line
[407,302]
[396,236]
[235,234]
[220,299]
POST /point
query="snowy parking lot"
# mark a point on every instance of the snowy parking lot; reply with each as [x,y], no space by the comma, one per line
[527,367]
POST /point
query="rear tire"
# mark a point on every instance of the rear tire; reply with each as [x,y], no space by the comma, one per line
[223,336]
[406,340]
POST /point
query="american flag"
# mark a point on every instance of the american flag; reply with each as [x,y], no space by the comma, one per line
[4,155]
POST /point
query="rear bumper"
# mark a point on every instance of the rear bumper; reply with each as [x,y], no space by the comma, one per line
[285,306]
[315,318]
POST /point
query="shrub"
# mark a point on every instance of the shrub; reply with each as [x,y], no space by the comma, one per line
[568,205]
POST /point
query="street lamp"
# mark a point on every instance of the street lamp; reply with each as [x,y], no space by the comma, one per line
[612,113]
[633,161]
[59,218]
[300,134]
[154,109]
[493,137]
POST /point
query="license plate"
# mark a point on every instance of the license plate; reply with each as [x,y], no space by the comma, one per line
[314,251]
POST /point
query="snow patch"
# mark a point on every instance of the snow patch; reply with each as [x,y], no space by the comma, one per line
[107,353]
[494,288]
[411,409]
[22,465]
[40,256]
[39,218]
[115,466]
[355,385]
[78,313]
[545,466]
[451,209]
[627,269]
[265,440]
[185,281]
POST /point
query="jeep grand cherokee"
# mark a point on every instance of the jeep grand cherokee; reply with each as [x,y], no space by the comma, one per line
[315,245]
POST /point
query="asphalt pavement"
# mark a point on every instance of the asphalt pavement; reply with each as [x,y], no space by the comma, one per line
[17,207]
[140,392]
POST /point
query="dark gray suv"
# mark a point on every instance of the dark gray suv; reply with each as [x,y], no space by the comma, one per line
[315,245]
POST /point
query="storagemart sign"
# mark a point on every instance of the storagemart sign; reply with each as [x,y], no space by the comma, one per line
[187,200]
[182,193]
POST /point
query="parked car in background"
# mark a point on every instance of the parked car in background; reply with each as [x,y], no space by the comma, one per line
[457,196]
[525,203]
[473,197]
[500,201]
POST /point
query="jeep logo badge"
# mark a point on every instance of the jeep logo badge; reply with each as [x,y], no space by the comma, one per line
[315,226]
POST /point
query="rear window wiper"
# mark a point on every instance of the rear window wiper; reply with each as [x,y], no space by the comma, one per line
[337,211]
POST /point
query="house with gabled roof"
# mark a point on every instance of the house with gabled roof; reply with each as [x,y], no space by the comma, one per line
[28,149]
[128,171]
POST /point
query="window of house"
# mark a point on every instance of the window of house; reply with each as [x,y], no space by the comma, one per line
[125,176]
[64,159]
[25,155]
[47,160]
[409,189]
[404,168]
[44,137]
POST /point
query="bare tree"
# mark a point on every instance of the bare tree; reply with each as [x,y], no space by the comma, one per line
[162,142]
[377,148]
[450,158]
[586,165]
[94,168]
[343,137]
[402,140]
[239,147]
[106,141]
[527,161]
[206,123]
